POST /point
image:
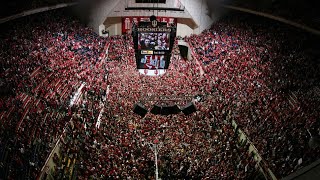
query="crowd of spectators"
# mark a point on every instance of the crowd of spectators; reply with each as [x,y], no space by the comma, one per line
[194,147]
[44,61]
[60,81]
[268,76]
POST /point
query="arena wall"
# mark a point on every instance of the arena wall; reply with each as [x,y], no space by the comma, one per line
[184,30]
[200,13]
[100,12]
[195,11]
[115,29]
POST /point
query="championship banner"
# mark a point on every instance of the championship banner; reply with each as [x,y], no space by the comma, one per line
[128,21]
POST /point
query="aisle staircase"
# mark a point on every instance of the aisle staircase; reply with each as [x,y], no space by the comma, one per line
[293,100]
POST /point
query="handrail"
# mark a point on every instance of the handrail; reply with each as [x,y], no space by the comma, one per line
[46,167]
[258,157]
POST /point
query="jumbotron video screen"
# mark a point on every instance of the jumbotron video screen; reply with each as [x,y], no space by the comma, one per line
[153,41]
[152,62]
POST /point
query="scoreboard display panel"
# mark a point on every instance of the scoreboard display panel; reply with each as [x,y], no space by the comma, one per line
[153,41]
[152,62]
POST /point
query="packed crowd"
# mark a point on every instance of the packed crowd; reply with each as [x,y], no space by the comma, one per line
[194,147]
[268,78]
[59,81]
[44,61]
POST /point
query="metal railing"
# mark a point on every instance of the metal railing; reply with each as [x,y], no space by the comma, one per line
[268,174]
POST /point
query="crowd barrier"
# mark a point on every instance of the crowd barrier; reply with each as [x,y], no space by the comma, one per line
[243,139]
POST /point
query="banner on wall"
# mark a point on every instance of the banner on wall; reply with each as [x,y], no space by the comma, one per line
[128,21]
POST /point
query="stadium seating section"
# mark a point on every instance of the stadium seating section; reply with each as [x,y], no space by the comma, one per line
[56,80]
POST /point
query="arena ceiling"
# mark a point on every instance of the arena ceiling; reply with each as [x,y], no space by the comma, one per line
[304,12]
[9,7]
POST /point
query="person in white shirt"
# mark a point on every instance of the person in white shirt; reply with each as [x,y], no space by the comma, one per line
[154,61]
[162,62]
[143,60]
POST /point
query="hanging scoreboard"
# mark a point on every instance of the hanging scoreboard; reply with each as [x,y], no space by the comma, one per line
[153,42]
